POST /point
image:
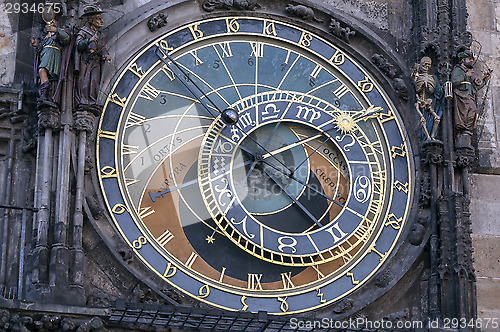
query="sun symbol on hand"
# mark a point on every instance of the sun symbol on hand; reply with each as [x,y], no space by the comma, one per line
[345,122]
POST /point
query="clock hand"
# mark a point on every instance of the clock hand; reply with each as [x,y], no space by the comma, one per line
[302,207]
[229,115]
[185,184]
[290,146]
[309,156]
[303,183]
[368,112]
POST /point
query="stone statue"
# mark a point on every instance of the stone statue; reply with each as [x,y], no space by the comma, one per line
[465,87]
[426,86]
[90,57]
[51,62]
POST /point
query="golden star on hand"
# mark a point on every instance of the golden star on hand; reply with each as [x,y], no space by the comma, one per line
[210,239]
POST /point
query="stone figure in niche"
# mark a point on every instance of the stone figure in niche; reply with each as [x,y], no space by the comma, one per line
[51,60]
[90,57]
[430,98]
[465,86]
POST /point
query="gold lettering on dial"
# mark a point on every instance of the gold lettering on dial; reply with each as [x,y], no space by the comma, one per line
[320,274]
[398,151]
[204,291]
[168,72]
[149,92]
[134,119]
[305,39]
[315,72]
[163,44]
[337,58]
[169,271]
[119,208]
[320,295]
[286,278]
[197,60]
[254,281]
[232,25]
[129,149]
[287,242]
[107,134]
[354,281]
[340,91]
[269,28]
[197,33]
[257,49]
[339,231]
[400,186]
[225,48]
[393,221]
[108,172]
[117,100]
[222,273]
[134,68]
[365,85]
[245,306]
[165,237]
[191,259]
[284,305]
[243,223]
[141,240]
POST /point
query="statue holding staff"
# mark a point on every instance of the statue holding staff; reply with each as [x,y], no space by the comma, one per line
[51,60]
[90,57]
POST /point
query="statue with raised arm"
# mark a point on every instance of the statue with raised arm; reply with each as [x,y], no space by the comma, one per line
[90,57]
[51,61]
[465,86]
[426,86]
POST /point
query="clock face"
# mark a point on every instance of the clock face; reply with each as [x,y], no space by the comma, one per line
[293,207]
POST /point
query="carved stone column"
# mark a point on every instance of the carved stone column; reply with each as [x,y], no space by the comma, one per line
[84,124]
[433,150]
[48,120]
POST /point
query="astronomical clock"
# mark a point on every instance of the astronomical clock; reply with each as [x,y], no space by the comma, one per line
[255,163]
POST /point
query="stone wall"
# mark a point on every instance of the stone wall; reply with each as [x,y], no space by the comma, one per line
[8,42]
[484,23]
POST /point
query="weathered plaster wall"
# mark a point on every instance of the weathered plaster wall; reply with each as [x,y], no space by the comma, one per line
[8,44]
[484,23]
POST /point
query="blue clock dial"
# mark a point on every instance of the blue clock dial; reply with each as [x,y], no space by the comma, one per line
[294,205]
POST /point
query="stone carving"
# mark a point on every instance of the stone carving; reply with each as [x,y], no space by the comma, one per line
[126,253]
[302,12]
[98,299]
[83,120]
[92,324]
[417,232]
[425,190]
[210,5]
[157,21]
[465,86]
[401,88]
[433,152]
[344,33]
[342,306]
[397,316]
[383,64]
[426,86]
[90,57]
[48,116]
[51,61]
[95,209]
[384,279]
[374,12]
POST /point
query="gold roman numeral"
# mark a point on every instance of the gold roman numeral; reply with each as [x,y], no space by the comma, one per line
[191,259]
[254,281]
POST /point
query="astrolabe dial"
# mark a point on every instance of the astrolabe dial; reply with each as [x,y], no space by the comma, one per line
[288,206]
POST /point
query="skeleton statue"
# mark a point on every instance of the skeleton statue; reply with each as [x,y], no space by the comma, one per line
[425,85]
